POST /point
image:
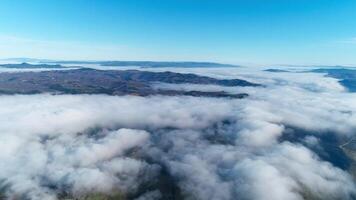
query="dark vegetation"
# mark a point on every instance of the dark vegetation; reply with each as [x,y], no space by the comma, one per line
[111,82]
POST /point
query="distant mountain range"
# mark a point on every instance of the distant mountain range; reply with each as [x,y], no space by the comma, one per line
[31,66]
[275,70]
[111,82]
[187,64]
[150,64]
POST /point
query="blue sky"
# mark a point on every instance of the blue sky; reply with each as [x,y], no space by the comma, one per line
[232,31]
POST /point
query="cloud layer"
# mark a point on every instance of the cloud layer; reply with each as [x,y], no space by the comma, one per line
[208,148]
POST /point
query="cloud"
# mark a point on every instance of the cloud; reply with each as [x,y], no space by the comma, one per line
[75,163]
[79,143]
[208,148]
[291,172]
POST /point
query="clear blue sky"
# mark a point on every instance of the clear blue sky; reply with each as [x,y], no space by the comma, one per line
[232,31]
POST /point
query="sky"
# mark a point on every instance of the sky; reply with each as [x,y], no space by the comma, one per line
[265,32]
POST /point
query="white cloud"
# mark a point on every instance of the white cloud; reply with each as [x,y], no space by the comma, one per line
[291,172]
[211,148]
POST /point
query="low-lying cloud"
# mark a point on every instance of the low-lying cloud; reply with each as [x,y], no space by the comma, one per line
[56,146]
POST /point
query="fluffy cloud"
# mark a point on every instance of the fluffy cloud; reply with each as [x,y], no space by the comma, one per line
[291,172]
[36,166]
[209,148]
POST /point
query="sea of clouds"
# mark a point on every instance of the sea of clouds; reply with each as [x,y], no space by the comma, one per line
[210,148]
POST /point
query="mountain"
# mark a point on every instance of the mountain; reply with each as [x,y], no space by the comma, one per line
[347,76]
[25,65]
[147,63]
[275,70]
[111,82]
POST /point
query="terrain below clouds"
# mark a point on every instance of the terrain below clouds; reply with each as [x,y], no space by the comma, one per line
[112,82]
